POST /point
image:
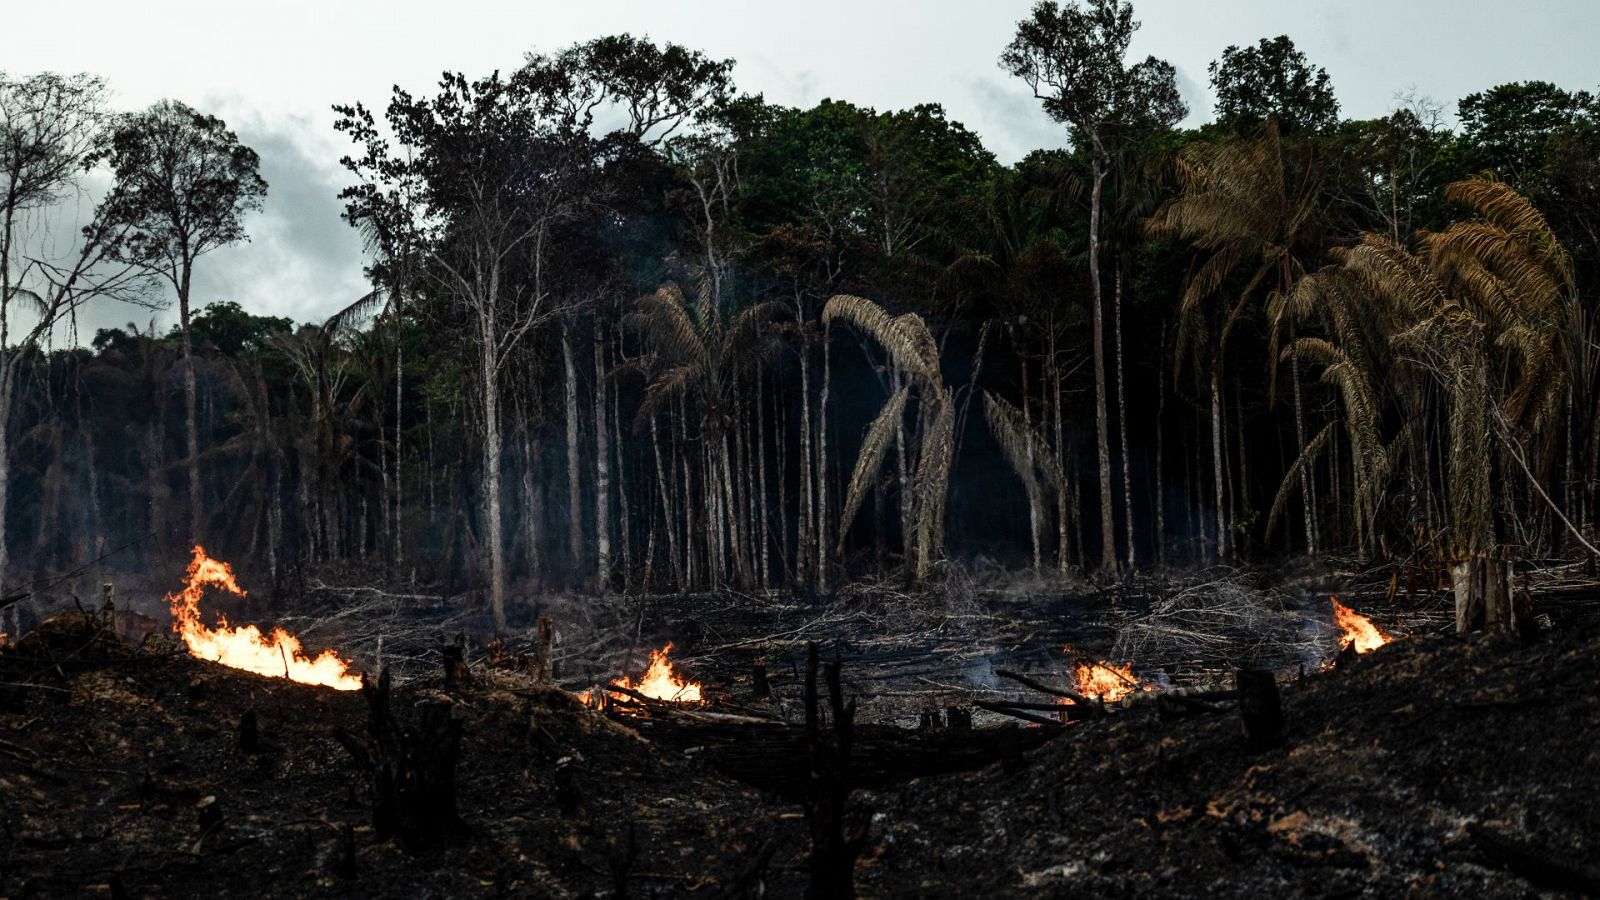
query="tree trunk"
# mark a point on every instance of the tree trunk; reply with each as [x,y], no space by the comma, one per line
[602,454]
[574,486]
[1217,463]
[491,459]
[399,395]
[825,539]
[806,534]
[1122,428]
[1108,529]
[624,526]
[1307,499]
[1159,501]
[532,509]
[192,431]
[1483,591]
[668,512]
[764,534]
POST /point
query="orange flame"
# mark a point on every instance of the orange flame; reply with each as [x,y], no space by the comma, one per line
[245,647]
[1104,680]
[1357,630]
[660,682]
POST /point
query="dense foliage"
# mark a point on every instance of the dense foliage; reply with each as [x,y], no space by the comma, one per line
[633,330]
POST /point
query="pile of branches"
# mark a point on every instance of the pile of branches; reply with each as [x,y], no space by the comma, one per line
[1226,622]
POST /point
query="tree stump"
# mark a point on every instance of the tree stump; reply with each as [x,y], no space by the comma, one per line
[542,669]
[760,684]
[1484,598]
[1261,708]
[413,767]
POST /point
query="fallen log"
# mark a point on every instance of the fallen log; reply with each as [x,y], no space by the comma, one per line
[1040,686]
[1020,714]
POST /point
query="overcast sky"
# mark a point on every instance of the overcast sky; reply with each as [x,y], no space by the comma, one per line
[273,68]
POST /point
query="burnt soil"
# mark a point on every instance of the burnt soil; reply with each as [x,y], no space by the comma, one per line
[1392,769]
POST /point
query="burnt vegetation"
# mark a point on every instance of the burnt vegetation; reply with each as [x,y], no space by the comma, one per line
[974,526]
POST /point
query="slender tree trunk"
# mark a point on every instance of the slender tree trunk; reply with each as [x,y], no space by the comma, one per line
[192,430]
[1030,481]
[668,512]
[624,517]
[1159,501]
[574,486]
[532,508]
[399,434]
[1217,463]
[807,531]
[906,476]
[1122,428]
[602,454]
[1307,499]
[780,449]
[491,459]
[765,532]
[1108,530]
[825,538]
[1241,487]
[6,581]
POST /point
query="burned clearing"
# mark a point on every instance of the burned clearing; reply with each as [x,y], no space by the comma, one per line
[1432,765]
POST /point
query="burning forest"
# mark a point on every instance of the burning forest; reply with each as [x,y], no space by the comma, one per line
[595,472]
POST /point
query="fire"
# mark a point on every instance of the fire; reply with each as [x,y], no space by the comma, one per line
[1357,630]
[1104,680]
[245,647]
[660,682]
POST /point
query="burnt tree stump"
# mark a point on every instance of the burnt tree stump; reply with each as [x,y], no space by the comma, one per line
[413,769]
[760,684]
[834,847]
[457,674]
[1261,708]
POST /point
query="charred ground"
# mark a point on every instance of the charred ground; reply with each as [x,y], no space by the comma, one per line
[1435,765]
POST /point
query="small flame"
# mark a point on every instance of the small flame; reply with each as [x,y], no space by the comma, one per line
[1103,680]
[660,682]
[245,647]
[1357,630]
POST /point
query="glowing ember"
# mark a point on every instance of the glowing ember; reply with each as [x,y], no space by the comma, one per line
[1103,680]
[660,682]
[245,647]
[1357,630]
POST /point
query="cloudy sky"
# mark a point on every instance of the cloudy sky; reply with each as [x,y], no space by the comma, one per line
[273,68]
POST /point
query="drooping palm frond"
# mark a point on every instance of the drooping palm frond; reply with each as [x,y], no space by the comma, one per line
[880,436]
[348,319]
[905,337]
[913,350]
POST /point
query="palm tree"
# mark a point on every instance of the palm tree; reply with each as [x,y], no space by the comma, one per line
[1251,205]
[915,354]
[1487,310]
[696,356]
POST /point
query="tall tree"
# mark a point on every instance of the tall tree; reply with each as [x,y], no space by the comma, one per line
[1272,80]
[183,185]
[1073,57]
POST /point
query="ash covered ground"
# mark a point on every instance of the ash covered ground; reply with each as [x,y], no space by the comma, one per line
[1432,766]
